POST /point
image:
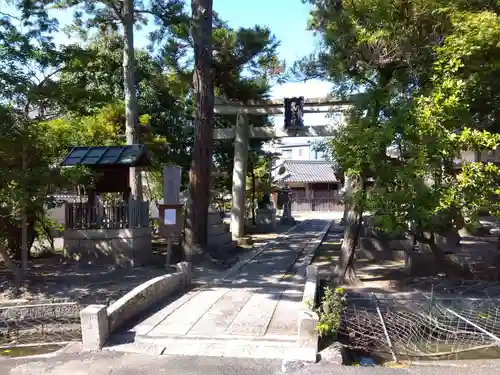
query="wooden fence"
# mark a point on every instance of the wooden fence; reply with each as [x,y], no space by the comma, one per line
[316,204]
[131,214]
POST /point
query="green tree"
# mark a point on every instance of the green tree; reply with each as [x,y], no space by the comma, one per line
[201,164]
[85,83]
[28,62]
[123,15]
[94,74]
[32,141]
[258,184]
[242,61]
[415,67]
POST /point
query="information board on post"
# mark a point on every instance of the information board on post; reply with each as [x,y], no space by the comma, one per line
[170,219]
[170,216]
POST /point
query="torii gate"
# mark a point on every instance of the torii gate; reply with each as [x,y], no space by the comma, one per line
[243,132]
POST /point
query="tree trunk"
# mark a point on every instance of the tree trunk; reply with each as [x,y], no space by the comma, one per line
[16,272]
[18,246]
[24,240]
[24,217]
[252,171]
[130,91]
[353,220]
[200,172]
[346,213]
[48,235]
[449,267]
[344,199]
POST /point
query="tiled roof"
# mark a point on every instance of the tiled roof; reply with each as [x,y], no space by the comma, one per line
[306,171]
[130,155]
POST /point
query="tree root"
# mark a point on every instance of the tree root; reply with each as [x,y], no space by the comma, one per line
[351,278]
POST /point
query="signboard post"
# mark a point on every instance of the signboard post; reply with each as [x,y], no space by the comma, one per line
[170,212]
[170,225]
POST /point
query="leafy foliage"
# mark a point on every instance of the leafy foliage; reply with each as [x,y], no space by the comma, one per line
[420,76]
[54,97]
[330,310]
[417,64]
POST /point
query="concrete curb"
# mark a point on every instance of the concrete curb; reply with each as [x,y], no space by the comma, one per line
[313,246]
[98,322]
[308,319]
[483,363]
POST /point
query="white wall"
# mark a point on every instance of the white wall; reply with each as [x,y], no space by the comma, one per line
[486,156]
[295,152]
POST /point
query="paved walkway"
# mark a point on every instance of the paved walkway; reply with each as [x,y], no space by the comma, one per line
[251,311]
[99,363]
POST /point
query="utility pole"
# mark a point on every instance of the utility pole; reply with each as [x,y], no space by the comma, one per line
[200,172]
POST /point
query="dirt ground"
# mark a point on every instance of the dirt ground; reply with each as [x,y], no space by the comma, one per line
[56,278]
[390,276]
[382,276]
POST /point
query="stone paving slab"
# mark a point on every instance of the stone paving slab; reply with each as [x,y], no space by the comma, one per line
[182,320]
[285,317]
[151,321]
[276,261]
[227,347]
[255,316]
[258,302]
[218,318]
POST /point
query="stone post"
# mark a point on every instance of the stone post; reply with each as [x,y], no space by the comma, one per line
[187,271]
[286,217]
[239,176]
[171,184]
[172,175]
[308,319]
[95,327]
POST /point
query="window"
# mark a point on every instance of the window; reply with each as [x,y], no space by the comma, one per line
[301,152]
[287,154]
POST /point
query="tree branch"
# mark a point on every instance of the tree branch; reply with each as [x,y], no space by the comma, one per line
[145,11]
[114,8]
[51,74]
[9,15]
[356,74]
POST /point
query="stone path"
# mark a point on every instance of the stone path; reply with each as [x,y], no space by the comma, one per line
[251,311]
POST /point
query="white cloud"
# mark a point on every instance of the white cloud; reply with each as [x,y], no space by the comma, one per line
[308,89]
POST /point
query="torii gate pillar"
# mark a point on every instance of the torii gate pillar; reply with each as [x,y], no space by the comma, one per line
[241,141]
[242,133]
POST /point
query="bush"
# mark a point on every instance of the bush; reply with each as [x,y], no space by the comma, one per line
[330,311]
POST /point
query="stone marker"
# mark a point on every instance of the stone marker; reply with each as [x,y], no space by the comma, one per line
[95,327]
[186,269]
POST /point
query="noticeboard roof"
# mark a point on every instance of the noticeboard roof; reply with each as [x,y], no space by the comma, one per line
[125,156]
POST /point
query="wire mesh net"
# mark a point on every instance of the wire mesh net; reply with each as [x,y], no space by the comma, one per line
[42,323]
[444,321]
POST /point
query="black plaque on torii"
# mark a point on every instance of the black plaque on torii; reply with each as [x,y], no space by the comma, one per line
[294,113]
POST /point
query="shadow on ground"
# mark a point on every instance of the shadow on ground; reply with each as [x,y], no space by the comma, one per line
[54,277]
[391,276]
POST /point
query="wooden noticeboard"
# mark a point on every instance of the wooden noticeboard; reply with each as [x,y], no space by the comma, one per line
[170,219]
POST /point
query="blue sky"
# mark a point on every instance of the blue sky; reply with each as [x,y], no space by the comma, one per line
[286,18]
[288,21]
